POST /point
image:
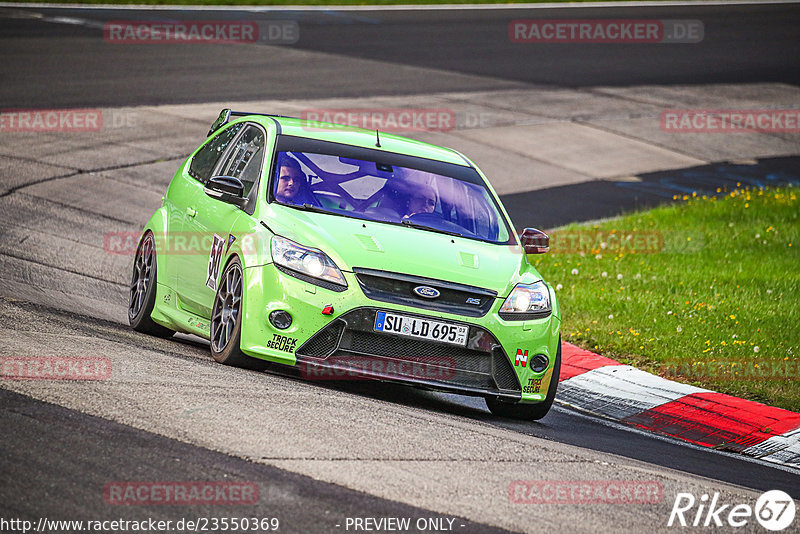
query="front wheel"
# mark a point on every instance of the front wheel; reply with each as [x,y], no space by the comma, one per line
[226,320]
[143,290]
[529,412]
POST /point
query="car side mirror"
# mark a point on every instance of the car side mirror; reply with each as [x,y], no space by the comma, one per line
[535,241]
[227,189]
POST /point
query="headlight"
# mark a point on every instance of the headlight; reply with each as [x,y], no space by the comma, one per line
[308,261]
[527,301]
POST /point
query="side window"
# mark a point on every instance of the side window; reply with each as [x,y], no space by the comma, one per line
[245,158]
[205,160]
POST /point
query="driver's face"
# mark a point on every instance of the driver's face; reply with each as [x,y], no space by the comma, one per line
[289,181]
[422,202]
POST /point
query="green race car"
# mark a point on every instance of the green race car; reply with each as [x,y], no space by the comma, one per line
[349,254]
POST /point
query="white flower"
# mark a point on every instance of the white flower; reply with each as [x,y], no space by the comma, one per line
[574,271]
[604,274]
[610,315]
[619,276]
[598,257]
[637,276]
[559,287]
[679,329]
[756,349]
[769,291]
[758,235]
[669,312]
[603,245]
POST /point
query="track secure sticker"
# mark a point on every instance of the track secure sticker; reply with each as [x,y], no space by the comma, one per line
[534,385]
[282,343]
[214,261]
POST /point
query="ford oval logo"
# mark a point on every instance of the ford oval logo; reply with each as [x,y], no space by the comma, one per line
[426,292]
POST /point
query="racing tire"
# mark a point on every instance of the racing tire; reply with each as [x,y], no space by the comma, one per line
[226,320]
[528,412]
[142,297]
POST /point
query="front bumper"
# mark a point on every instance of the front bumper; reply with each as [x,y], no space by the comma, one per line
[349,348]
[345,346]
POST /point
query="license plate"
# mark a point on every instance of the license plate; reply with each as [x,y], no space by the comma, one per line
[403,325]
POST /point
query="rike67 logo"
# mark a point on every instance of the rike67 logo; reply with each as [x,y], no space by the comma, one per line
[774,510]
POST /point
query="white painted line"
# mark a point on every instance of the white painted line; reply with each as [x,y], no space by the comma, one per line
[619,391]
[783,449]
[429,7]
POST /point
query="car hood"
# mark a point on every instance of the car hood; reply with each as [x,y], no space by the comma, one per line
[354,243]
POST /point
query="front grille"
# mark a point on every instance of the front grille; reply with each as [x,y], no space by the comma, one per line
[325,342]
[350,342]
[398,288]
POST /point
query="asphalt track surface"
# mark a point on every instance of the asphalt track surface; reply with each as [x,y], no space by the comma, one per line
[56,64]
[55,460]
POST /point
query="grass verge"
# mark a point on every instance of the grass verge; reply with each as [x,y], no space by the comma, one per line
[703,291]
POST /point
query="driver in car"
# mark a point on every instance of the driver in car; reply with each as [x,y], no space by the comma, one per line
[421,200]
[292,185]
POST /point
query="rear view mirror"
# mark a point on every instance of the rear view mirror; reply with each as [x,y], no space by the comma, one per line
[535,241]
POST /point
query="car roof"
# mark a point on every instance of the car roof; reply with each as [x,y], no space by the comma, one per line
[359,137]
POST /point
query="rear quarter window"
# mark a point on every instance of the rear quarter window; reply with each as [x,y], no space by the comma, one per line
[205,160]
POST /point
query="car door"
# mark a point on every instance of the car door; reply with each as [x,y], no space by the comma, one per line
[214,219]
[181,203]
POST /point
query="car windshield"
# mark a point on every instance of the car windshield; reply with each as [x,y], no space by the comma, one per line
[391,193]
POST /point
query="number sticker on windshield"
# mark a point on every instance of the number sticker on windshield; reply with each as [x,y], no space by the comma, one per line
[214,260]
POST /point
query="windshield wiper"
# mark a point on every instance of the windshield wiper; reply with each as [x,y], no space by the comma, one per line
[312,207]
[317,209]
[406,222]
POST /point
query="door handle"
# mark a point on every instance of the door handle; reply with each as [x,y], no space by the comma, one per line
[191,212]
